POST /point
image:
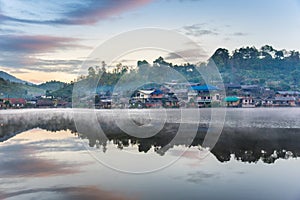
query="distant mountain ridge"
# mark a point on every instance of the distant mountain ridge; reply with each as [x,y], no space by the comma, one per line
[51,85]
[10,86]
[12,78]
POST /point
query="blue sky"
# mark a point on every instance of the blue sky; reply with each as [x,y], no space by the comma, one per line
[45,40]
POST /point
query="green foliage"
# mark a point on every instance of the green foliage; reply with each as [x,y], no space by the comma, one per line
[51,85]
[279,69]
[17,90]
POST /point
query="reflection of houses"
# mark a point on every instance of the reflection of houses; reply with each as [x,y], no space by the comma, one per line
[232,101]
[203,95]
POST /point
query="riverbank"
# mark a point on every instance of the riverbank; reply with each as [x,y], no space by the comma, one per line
[226,117]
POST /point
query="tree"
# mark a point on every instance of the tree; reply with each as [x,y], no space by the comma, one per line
[220,58]
[91,72]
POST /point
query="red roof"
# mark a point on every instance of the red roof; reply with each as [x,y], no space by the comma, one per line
[16,100]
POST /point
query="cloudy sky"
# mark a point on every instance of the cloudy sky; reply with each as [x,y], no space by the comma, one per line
[46,40]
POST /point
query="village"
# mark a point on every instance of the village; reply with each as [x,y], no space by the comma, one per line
[170,95]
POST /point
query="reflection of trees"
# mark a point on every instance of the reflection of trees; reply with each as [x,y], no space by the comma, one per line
[246,145]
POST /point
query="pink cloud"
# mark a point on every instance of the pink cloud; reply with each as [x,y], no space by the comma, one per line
[35,43]
[84,14]
[98,11]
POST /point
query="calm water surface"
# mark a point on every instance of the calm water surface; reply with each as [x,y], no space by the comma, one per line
[53,161]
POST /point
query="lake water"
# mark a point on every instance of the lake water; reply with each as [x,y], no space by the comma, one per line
[46,157]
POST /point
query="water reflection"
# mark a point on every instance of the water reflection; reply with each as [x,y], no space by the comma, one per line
[245,144]
[66,193]
[25,157]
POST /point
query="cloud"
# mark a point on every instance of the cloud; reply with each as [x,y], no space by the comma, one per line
[199,30]
[20,51]
[87,13]
[9,31]
[240,34]
[36,43]
[45,65]
[187,54]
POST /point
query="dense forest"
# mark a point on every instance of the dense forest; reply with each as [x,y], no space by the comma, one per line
[277,69]
[266,67]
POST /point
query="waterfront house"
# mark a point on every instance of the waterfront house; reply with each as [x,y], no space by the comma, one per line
[142,95]
[279,101]
[232,101]
[2,104]
[153,103]
[16,102]
[284,101]
[156,94]
[203,95]
[288,94]
[44,103]
[179,89]
[247,102]
[294,94]
[171,102]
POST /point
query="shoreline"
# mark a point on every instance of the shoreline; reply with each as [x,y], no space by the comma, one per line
[218,117]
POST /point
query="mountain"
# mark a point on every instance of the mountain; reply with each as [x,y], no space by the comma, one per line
[10,89]
[11,78]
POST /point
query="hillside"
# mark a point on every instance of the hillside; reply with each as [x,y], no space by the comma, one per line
[51,85]
[17,90]
[11,78]
[64,92]
[268,67]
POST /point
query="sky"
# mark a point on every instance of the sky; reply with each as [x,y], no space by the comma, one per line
[49,40]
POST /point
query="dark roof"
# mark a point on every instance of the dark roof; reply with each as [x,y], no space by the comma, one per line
[233,86]
[285,98]
[249,87]
[44,102]
[16,100]
[288,92]
[157,92]
[204,87]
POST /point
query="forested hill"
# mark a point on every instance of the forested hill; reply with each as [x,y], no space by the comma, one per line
[266,66]
[279,69]
[8,77]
